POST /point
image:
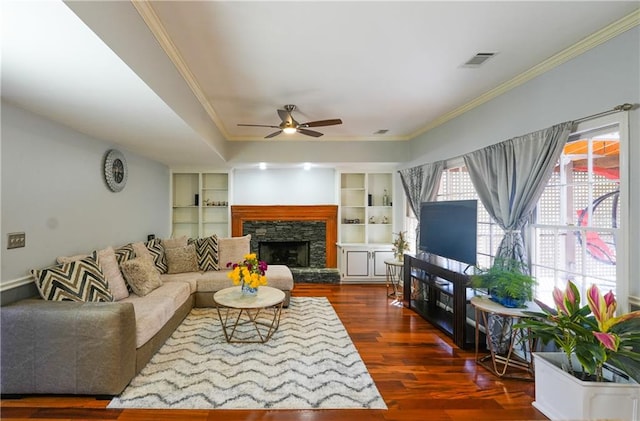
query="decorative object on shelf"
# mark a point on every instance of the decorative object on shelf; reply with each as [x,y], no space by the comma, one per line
[372,219]
[385,198]
[400,245]
[370,199]
[115,170]
[507,282]
[249,274]
[385,220]
[197,199]
[597,373]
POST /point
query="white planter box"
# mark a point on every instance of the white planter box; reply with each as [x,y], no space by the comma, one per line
[561,396]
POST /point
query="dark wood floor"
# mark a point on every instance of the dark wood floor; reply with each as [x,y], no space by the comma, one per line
[419,372]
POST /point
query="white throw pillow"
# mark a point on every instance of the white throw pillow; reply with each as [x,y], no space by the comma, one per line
[233,249]
[112,274]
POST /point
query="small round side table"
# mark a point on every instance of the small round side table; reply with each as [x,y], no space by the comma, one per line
[395,269]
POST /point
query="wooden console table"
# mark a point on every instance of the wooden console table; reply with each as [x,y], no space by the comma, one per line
[440,296]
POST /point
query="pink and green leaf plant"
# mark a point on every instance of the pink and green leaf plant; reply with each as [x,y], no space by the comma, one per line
[593,333]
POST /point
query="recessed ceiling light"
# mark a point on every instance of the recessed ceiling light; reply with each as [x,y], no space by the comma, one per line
[307,166]
[263,165]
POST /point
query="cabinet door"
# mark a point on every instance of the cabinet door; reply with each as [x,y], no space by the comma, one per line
[357,263]
[379,256]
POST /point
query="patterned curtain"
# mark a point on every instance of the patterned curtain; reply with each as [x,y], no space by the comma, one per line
[421,184]
[509,178]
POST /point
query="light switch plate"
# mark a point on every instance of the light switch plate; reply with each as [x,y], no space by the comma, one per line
[16,240]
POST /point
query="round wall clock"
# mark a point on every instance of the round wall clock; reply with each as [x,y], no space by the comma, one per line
[115,170]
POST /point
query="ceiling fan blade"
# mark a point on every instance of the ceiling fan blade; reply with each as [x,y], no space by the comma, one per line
[320,123]
[309,132]
[274,134]
[259,125]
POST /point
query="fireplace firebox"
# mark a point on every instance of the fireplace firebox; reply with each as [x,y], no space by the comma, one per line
[289,253]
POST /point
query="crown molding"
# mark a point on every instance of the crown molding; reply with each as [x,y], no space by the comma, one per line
[150,17]
[593,40]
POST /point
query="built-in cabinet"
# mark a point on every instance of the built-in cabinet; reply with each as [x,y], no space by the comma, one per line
[366,225]
[364,264]
[200,204]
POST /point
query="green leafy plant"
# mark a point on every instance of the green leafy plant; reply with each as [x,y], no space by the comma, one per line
[591,332]
[400,245]
[507,282]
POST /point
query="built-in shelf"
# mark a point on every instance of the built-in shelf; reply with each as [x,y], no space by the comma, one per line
[200,204]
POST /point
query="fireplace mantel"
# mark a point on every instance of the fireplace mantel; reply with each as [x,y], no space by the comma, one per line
[325,213]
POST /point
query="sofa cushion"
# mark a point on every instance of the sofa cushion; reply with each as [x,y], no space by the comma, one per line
[170,243]
[190,278]
[80,280]
[233,249]
[178,292]
[214,280]
[279,276]
[207,251]
[182,259]
[152,313]
[113,276]
[141,275]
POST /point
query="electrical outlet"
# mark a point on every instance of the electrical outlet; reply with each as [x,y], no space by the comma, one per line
[16,240]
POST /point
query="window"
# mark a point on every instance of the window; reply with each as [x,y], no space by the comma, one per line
[579,219]
[579,215]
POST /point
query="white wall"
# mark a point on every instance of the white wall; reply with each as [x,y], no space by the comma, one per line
[53,189]
[284,186]
[596,81]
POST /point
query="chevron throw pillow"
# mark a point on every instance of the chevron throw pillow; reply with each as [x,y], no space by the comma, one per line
[125,253]
[81,281]
[156,249]
[207,252]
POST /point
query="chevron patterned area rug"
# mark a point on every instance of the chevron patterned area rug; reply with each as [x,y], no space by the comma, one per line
[309,363]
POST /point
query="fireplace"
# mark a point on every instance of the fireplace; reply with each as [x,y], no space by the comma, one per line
[316,224]
[290,253]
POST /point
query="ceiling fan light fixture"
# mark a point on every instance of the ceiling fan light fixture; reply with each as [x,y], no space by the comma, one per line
[289,130]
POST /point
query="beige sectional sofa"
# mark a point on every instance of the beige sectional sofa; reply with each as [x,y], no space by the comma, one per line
[96,348]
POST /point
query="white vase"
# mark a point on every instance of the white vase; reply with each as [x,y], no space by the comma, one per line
[562,396]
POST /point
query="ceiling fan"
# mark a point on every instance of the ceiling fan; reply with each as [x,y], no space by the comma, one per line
[289,125]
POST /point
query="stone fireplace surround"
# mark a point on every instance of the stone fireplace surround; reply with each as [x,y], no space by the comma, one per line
[291,231]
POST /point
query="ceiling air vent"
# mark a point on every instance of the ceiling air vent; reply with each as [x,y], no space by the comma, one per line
[381,131]
[478,59]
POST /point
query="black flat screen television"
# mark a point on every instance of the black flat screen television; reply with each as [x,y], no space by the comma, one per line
[449,229]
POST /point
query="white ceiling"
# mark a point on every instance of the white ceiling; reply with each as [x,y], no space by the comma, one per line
[172,79]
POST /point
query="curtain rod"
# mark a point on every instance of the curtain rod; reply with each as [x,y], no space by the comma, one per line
[617,108]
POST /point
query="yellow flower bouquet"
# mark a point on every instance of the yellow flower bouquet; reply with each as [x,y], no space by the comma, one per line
[249,274]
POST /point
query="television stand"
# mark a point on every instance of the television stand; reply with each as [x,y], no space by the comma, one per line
[440,296]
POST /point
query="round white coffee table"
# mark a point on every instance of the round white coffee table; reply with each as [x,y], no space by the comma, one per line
[261,312]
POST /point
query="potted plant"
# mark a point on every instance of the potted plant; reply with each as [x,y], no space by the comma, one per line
[507,283]
[400,245]
[597,373]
